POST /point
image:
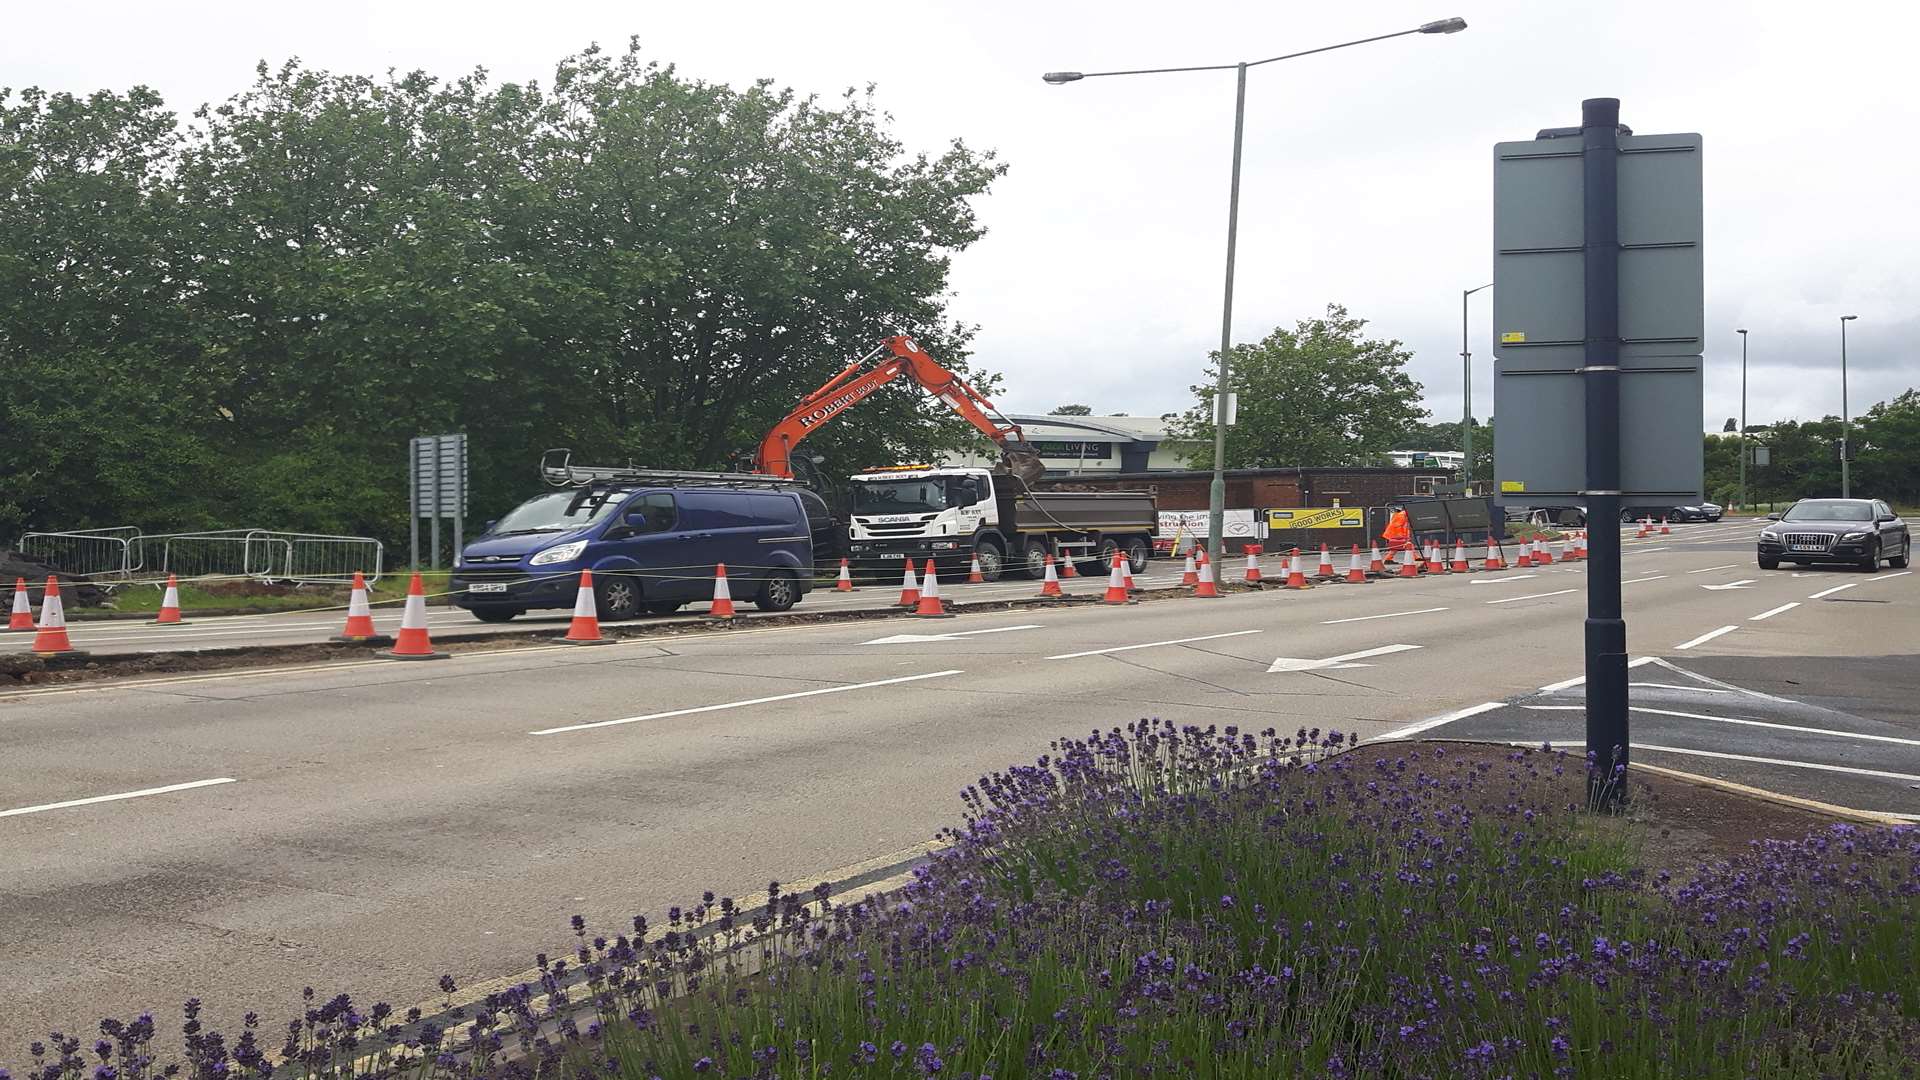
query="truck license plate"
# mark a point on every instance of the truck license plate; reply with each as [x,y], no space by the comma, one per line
[488,586]
[893,554]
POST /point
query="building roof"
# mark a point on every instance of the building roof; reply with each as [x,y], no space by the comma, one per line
[1092,428]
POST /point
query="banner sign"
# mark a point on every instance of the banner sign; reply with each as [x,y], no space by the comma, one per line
[1318,517]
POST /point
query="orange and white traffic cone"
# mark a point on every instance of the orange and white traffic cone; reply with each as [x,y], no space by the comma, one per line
[976,576]
[1253,552]
[413,642]
[1374,563]
[722,607]
[1067,569]
[1297,572]
[22,617]
[930,606]
[1424,564]
[1356,570]
[1203,586]
[1126,574]
[359,629]
[1460,563]
[1439,564]
[170,605]
[1525,560]
[1326,564]
[50,638]
[1191,575]
[585,627]
[1116,582]
[845,582]
[1407,566]
[1050,583]
[1495,560]
[910,586]
[1646,529]
[1664,531]
[1541,556]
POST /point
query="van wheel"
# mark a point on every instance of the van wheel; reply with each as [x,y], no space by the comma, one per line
[778,593]
[495,614]
[993,562]
[616,597]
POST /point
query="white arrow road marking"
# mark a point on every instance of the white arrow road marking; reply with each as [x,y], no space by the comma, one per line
[1289,663]
[901,639]
[1741,584]
[1499,580]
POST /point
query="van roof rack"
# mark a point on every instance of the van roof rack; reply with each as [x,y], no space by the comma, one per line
[558,470]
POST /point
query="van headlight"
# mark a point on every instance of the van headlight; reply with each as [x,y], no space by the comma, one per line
[558,554]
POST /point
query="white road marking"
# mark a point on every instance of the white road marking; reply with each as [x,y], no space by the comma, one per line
[1697,677]
[1389,615]
[1710,569]
[1706,637]
[1777,761]
[1638,580]
[1425,725]
[1499,580]
[1684,689]
[1555,708]
[901,639]
[743,704]
[1565,684]
[1887,577]
[1150,645]
[1533,596]
[1835,589]
[117,798]
[1743,583]
[1781,727]
[1292,663]
[1771,612]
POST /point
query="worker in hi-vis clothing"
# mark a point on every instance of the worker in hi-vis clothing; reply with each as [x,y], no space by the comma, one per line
[1398,534]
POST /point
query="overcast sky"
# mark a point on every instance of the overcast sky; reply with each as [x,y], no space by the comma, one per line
[1367,178]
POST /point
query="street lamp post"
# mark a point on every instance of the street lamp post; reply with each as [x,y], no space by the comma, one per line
[1846,418]
[1466,387]
[1217,492]
[1743,416]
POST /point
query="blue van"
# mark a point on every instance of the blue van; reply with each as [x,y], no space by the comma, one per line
[651,546]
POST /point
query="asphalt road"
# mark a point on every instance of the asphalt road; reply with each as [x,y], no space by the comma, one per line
[368,826]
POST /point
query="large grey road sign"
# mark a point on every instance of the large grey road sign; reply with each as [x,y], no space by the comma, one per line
[1540,333]
[437,484]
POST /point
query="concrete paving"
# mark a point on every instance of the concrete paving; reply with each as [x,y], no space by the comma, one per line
[369,826]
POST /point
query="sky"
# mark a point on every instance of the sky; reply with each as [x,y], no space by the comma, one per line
[1367,177]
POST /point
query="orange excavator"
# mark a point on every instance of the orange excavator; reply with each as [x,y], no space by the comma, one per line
[858,380]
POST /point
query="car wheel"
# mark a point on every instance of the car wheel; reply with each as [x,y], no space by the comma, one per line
[496,614]
[993,562]
[616,597]
[1900,561]
[778,593]
[1871,564]
[1769,564]
[662,607]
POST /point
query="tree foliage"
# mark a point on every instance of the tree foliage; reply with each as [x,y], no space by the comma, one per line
[1803,463]
[242,319]
[1317,394]
[1071,410]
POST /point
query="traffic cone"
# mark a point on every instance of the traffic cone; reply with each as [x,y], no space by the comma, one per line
[1191,575]
[359,629]
[1374,564]
[1460,563]
[170,606]
[1646,529]
[1541,556]
[975,576]
[910,586]
[1437,553]
[845,581]
[22,618]
[1253,563]
[723,595]
[1067,569]
[1116,582]
[1495,561]
[1559,550]
[930,606]
[1326,563]
[585,628]
[1525,561]
[1426,559]
[1296,572]
[413,642]
[1050,584]
[1407,567]
[51,636]
[1356,570]
[1204,587]
[1664,531]
[1126,574]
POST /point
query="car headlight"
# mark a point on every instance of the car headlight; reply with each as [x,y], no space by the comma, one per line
[1861,535]
[1769,534]
[559,553]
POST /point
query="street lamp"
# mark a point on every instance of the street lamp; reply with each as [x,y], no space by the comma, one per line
[1217,494]
[1466,379]
[1743,416]
[1846,420]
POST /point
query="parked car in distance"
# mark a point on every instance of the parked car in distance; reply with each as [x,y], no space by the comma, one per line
[651,547]
[1861,532]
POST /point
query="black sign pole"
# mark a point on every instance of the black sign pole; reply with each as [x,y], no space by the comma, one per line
[1606,630]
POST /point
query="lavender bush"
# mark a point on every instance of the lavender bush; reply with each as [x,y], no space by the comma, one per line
[1180,902]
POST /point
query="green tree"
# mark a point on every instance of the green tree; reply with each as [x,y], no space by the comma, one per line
[1071,410]
[1317,394]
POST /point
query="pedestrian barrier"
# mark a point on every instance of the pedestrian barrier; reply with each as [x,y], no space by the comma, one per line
[84,554]
[123,553]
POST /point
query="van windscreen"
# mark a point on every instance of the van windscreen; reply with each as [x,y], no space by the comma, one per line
[561,511]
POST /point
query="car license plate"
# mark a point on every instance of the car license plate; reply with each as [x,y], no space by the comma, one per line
[488,586]
[1808,547]
[893,554]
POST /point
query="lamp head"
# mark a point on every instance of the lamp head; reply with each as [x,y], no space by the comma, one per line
[1062,78]
[1444,26]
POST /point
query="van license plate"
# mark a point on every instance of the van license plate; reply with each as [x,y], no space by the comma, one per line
[488,586]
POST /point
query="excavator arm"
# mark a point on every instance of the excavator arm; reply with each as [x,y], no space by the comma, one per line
[857,381]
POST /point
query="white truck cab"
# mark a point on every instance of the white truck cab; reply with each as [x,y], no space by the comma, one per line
[918,511]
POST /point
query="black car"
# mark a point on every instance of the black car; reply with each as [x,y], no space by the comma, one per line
[1857,531]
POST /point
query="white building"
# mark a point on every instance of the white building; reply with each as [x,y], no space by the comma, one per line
[1410,459]
[1075,445]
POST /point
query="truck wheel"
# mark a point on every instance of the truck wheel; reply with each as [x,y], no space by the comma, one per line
[778,593]
[616,597]
[1036,559]
[1139,549]
[993,562]
[1105,565]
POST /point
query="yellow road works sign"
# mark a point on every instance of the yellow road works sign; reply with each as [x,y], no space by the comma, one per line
[1315,517]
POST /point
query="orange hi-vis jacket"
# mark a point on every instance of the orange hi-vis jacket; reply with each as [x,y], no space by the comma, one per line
[1397,532]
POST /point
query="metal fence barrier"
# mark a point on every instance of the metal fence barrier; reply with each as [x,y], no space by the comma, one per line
[85,554]
[109,555]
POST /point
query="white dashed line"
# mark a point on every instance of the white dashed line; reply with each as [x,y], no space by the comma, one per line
[1706,637]
[744,704]
[1709,569]
[116,798]
[1533,596]
[1424,725]
[1149,645]
[1389,615]
[1771,612]
[1835,589]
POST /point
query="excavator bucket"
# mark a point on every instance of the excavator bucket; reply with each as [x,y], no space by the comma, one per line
[1020,460]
